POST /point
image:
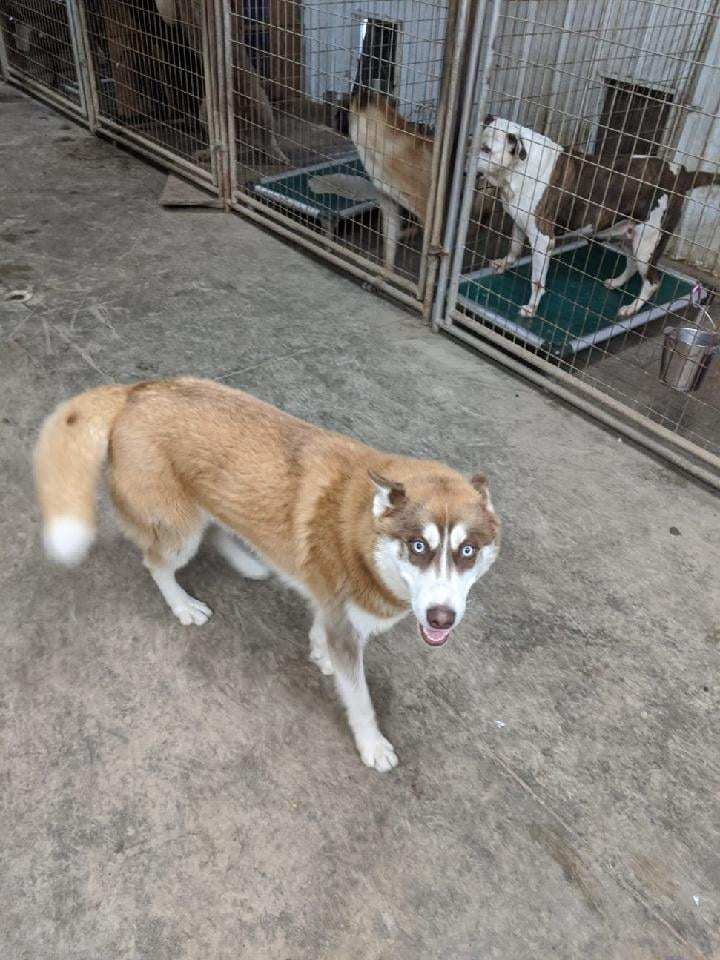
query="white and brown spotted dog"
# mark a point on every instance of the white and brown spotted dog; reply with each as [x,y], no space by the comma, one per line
[546,188]
[366,537]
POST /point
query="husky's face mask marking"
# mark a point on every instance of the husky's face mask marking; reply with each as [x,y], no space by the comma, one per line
[437,536]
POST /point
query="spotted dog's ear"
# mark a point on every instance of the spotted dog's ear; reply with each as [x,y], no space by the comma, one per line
[517,147]
[388,493]
[489,119]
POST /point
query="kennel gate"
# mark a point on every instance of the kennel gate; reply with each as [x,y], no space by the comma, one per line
[608,78]
[153,74]
[41,50]
[290,68]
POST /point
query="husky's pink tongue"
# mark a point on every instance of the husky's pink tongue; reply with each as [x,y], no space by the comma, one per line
[436,638]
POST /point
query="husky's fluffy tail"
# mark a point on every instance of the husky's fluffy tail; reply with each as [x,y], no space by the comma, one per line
[70,452]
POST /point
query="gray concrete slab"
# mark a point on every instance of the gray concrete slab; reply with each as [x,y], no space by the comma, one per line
[177,793]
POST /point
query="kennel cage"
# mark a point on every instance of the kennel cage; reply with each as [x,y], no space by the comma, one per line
[153,78]
[40,50]
[292,68]
[605,80]
[249,98]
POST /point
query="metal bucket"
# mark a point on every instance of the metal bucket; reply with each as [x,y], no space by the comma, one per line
[686,357]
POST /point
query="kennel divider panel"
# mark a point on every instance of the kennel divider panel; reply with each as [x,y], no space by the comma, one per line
[330,32]
[154,83]
[56,66]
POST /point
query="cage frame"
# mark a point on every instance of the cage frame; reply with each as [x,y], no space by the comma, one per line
[210,179]
[80,112]
[449,313]
[418,295]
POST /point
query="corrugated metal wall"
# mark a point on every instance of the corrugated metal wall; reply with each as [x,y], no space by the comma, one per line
[333,41]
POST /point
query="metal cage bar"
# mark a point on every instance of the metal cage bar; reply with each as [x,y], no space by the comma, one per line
[42,52]
[153,73]
[600,153]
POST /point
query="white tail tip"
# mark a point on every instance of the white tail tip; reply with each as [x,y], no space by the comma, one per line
[67,540]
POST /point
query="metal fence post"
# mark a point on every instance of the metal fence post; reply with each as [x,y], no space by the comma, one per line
[457,224]
[220,136]
[4,65]
[81,50]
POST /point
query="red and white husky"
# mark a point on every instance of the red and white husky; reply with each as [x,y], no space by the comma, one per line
[364,536]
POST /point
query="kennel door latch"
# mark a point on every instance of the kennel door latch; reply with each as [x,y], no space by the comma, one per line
[436,250]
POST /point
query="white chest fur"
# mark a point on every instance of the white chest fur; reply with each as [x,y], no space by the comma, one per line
[367,624]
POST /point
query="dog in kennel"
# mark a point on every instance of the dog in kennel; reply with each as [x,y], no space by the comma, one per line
[546,189]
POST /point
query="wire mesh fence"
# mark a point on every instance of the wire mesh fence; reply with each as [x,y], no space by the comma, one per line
[554,160]
[151,78]
[40,49]
[595,251]
[336,121]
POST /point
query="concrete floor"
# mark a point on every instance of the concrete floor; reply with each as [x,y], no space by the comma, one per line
[176,793]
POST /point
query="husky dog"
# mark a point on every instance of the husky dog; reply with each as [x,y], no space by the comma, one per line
[546,188]
[364,536]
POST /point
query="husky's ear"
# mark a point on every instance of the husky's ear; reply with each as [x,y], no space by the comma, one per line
[489,119]
[479,482]
[517,147]
[388,493]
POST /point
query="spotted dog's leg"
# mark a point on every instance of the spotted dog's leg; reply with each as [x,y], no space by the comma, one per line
[516,244]
[646,248]
[167,555]
[542,246]
[629,271]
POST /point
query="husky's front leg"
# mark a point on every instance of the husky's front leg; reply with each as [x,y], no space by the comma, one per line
[542,245]
[346,652]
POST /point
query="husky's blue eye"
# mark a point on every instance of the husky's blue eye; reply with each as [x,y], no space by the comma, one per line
[467,550]
[418,546]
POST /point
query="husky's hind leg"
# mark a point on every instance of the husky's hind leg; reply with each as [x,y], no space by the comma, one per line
[239,559]
[319,653]
[163,560]
[156,515]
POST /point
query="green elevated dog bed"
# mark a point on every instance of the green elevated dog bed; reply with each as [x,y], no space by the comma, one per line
[577,310]
[294,189]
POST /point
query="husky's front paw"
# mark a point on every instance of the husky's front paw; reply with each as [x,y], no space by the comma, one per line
[378,752]
[189,610]
[528,310]
[322,661]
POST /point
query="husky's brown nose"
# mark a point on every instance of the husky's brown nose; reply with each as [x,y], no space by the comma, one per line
[440,618]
